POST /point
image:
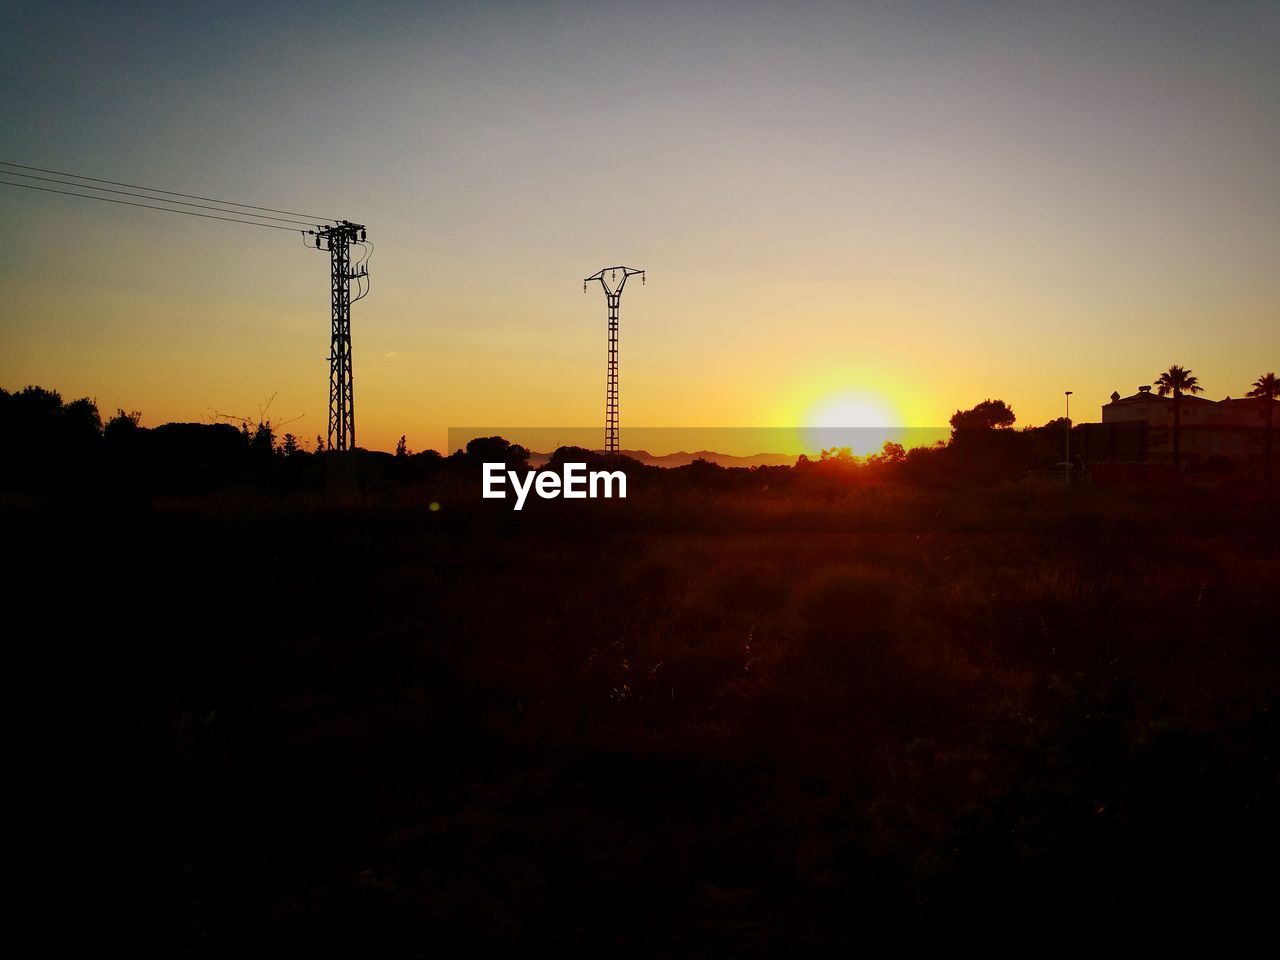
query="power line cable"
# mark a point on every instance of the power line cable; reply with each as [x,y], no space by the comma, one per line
[148,206]
[143,196]
[368,284]
[189,196]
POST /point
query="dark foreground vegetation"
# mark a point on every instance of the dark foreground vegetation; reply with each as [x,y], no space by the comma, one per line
[57,446]
[754,720]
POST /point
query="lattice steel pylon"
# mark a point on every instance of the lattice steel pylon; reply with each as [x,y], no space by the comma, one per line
[614,296]
[342,401]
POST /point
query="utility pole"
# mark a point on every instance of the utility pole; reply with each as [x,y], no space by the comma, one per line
[1068,396]
[613,294]
[342,401]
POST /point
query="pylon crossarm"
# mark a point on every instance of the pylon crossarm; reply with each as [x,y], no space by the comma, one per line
[610,273]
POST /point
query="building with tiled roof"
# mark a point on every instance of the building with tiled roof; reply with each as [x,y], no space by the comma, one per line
[1227,435]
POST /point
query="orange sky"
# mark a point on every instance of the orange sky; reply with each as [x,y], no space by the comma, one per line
[906,204]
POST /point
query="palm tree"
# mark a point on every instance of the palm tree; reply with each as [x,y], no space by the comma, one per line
[1267,387]
[1177,381]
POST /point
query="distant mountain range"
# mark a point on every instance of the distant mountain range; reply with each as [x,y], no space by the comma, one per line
[682,458]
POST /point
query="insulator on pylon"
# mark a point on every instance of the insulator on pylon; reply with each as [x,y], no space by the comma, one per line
[362,236]
[613,275]
[317,243]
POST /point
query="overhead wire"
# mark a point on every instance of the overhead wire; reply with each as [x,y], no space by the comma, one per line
[364,262]
[363,283]
[142,196]
[165,205]
[189,196]
[149,206]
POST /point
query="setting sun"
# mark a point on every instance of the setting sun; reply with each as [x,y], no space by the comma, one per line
[860,420]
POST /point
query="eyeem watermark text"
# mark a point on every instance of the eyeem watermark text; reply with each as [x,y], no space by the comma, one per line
[575,484]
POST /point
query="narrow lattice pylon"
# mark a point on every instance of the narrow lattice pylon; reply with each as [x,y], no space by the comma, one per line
[612,285]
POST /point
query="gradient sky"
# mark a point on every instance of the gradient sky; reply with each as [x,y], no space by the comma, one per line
[915,205]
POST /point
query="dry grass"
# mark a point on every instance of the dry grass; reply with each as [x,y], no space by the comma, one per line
[674,726]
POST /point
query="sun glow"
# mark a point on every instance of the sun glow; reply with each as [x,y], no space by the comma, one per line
[858,420]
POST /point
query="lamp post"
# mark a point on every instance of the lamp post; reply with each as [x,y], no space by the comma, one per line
[1068,396]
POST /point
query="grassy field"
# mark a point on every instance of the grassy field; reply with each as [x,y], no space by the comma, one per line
[1009,716]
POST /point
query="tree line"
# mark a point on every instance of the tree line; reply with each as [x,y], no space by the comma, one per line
[53,444]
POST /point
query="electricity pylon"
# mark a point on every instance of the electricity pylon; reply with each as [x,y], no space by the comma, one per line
[614,296]
[333,236]
[342,400]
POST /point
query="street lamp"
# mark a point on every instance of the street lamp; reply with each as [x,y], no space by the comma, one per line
[1068,396]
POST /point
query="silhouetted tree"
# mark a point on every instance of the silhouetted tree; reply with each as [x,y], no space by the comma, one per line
[891,453]
[563,455]
[46,440]
[402,448]
[122,425]
[187,457]
[421,465]
[1177,381]
[926,464]
[496,450]
[33,402]
[264,438]
[701,474]
[987,415]
[1267,387]
[838,455]
[319,444]
[83,423]
[290,445]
